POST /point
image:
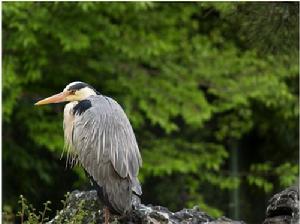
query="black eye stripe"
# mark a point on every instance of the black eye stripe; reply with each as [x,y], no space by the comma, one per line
[81,85]
[78,86]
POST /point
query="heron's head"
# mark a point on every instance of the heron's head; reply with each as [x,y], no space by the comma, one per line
[75,91]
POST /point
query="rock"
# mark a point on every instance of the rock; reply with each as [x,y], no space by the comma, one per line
[283,207]
[84,207]
[80,207]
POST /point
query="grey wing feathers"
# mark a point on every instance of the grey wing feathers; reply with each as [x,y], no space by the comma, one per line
[106,146]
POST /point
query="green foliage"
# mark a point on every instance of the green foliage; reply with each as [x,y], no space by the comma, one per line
[28,213]
[260,181]
[286,173]
[267,24]
[190,82]
[8,215]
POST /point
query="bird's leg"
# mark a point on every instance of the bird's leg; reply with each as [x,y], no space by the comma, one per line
[106,215]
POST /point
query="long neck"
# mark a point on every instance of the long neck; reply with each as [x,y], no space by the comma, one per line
[68,131]
[69,120]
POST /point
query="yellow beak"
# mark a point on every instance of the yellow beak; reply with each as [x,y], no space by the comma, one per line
[57,98]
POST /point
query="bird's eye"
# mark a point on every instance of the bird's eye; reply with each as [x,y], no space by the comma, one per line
[72,92]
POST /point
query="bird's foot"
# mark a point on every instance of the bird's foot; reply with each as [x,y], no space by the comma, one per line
[106,215]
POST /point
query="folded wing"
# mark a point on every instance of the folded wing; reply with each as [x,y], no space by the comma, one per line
[106,147]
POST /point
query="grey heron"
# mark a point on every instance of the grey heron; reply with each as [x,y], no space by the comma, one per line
[99,137]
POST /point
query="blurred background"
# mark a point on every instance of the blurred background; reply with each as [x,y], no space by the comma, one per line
[211,90]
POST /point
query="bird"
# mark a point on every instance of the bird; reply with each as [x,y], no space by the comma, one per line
[99,137]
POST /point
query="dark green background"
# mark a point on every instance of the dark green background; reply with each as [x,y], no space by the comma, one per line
[211,90]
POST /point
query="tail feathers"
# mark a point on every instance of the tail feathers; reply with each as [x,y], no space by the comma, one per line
[136,186]
[115,192]
[136,201]
[137,192]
